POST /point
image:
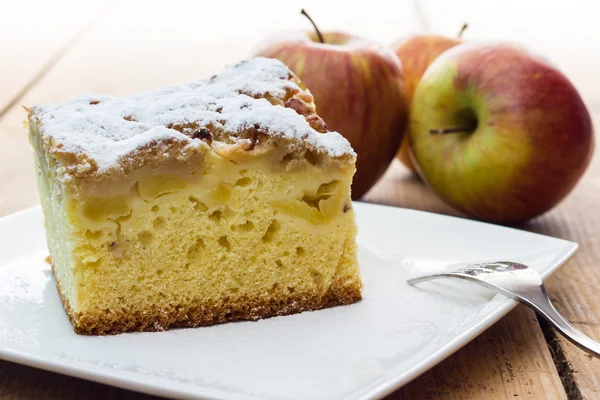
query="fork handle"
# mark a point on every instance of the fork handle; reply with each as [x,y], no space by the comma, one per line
[544,307]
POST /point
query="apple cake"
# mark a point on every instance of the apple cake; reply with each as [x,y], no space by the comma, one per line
[224,199]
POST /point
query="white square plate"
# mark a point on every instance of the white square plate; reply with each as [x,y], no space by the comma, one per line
[361,351]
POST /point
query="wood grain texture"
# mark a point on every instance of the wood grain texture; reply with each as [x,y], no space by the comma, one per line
[18,382]
[33,37]
[180,41]
[504,362]
[574,289]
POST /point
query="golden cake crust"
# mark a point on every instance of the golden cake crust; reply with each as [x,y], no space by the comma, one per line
[242,112]
[204,313]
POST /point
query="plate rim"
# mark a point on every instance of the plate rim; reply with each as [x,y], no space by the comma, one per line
[388,386]
[506,305]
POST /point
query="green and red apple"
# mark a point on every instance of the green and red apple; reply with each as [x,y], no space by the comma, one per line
[498,132]
[358,89]
[416,53]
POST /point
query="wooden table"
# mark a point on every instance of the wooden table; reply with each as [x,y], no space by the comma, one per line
[52,51]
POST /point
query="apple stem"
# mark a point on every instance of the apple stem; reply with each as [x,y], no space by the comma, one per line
[462,30]
[314,25]
[444,131]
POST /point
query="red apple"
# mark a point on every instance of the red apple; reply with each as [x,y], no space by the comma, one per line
[416,54]
[358,89]
[498,132]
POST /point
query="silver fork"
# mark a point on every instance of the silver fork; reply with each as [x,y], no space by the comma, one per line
[520,283]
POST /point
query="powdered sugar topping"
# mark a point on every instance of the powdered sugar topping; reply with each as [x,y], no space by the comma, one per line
[106,129]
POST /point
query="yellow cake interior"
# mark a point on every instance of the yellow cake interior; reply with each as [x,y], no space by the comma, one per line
[222,233]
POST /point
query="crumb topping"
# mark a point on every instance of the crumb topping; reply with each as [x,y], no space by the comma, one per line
[256,95]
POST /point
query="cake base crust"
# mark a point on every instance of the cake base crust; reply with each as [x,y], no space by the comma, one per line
[204,313]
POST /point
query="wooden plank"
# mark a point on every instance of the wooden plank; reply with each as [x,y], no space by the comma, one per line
[33,37]
[504,362]
[18,382]
[574,289]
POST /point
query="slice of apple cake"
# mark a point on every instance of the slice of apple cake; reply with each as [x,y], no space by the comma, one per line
[225,199]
